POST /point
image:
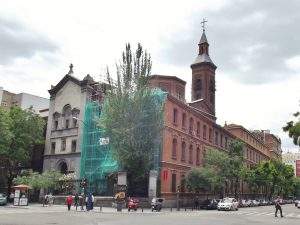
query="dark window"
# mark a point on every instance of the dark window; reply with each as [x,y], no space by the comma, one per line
[212,90]
[53,148]
[174,148]
[173,183]
[216,138]
[191,154]
[55,125]
[183,151]
[183,120]
[74,122]
[191,127]
[210,135]
[67,124]
[63,144]
[226,142]
[221,140]
[198,129]
[204,132]
[198,89]
[198,156]
[74,144]
[175,116]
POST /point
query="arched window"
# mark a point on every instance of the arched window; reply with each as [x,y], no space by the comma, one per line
[183,120]
[67,114]
[183,146]
[198,156]
[174,148]
[175,116]
[191,154]
[191,127]
[198,129]
[56,116]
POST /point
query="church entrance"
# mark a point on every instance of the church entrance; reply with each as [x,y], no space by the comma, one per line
[63,167]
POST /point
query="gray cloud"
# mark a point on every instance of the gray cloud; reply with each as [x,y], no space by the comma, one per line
[249,40]
[18,41]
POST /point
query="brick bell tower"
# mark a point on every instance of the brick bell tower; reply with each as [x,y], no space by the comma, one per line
[203,78]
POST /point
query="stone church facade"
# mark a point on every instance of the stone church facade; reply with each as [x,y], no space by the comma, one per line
[65,122]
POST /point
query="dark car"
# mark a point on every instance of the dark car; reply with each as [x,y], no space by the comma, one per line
[3,199]
[209,204]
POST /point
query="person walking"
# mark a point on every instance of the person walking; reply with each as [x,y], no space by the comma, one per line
[278,206]
[69,201]
[76,200]
[89,202]
[81,201]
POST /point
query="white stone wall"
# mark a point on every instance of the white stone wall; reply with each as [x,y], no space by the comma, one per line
[70,94]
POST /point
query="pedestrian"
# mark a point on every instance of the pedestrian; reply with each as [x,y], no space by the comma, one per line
[81,201]
[46,199]
[89,202]
[93,200]
[69,201]
[278,206]
[76,200]
[196,203]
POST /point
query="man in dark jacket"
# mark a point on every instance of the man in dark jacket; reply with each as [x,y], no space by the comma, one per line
[278,206]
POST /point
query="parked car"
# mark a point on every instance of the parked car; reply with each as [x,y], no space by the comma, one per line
[243,203]
[209,204]
[255,202]
[3,199]
[296,203]
[228,204]
[249,203]
[133,204]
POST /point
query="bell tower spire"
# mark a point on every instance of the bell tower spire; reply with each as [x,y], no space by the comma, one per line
[203,76]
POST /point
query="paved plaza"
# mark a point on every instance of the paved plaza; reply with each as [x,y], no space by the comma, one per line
[58,215]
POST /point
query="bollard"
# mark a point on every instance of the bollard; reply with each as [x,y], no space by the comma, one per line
[142,209]
[185,209]
[100,208]
[171,209]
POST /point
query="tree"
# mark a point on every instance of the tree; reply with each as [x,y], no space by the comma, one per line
[46,180]
[274,177]
[217,161]
[20,130]
[132,118]
[293,129]
[235,165]
[199,179]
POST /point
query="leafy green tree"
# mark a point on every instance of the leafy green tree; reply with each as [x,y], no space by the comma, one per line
[21,130]
[235,165]
[218,161]
[293,129]
[199,179]
[274,177]
[132,117]
[49,180]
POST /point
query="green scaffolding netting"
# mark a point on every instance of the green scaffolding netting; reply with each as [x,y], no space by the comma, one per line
[96,159]
[97,163]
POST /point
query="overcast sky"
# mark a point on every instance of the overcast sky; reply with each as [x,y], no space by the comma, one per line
[255,44]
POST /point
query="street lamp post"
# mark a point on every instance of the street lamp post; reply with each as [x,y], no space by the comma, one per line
[177,198]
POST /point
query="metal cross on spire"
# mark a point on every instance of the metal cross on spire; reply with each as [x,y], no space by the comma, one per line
[203,24]
[71,69]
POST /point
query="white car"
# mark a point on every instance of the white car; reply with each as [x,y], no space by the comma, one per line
[228,204]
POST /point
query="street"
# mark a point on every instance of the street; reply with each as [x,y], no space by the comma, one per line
[58,215]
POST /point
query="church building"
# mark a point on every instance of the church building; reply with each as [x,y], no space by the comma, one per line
[190,129]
